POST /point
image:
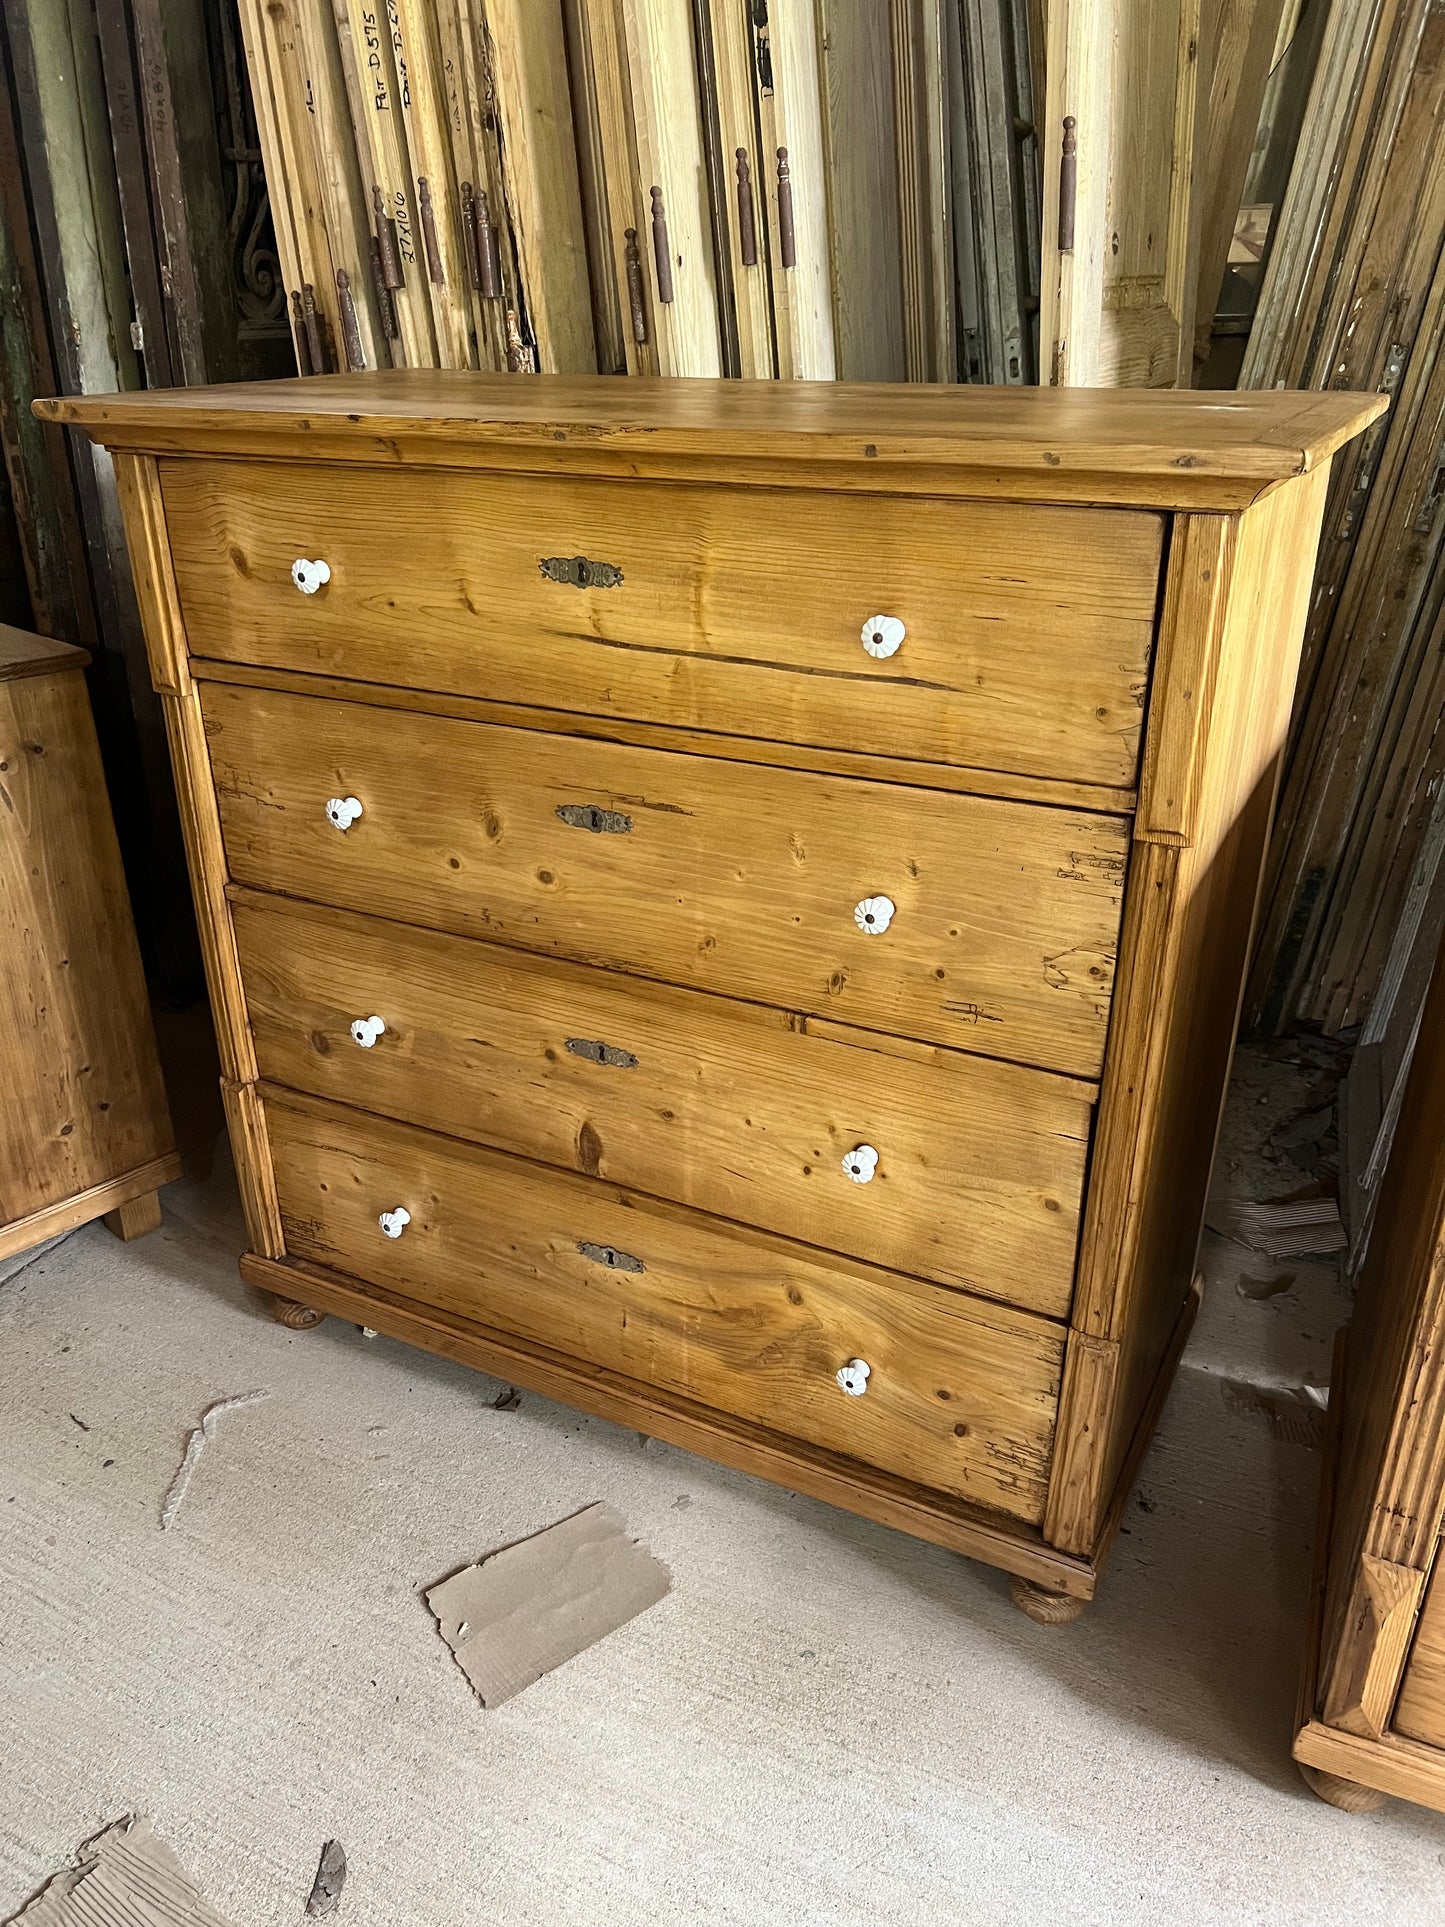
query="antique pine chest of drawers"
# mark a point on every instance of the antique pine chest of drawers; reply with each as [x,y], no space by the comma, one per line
[726,903]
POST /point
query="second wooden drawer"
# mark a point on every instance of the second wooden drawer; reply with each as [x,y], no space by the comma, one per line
[958,1395]
[957,919]
[737,1110]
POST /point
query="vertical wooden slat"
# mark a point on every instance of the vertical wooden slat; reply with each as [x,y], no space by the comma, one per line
[860,166]
[663,87]
[544,203]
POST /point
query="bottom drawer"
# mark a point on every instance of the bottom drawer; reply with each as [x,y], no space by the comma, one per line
[960,1395]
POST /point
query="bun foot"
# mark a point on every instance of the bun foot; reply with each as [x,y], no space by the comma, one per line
[1045,1608]
[295,1317]
[1348,1795]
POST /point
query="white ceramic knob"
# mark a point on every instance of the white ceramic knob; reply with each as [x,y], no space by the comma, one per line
[342,811]
[883,635]
[393,1223]
[854,1376]
[310,576]
[872,916]
[861,1163]
[366,1030]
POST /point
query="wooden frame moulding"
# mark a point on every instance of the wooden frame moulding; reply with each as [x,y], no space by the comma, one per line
[791,120]
[280,87]
[745,181]
[346,200]
[528,67]
[471,168]
[1219,712]
[675,241]
[597,27]
[1240,60]
[920,126]
[610,328]
[1386,1471]
[405,326]
[441,260]
[395,223]
[1121,249]
[864,239]
[138,484]
[1371,653]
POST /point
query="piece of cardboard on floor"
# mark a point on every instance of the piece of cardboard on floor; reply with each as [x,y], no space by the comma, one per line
[124,1874]
[527,1608]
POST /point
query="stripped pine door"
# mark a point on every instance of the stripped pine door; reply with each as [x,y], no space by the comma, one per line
[856,73]
[675,248]
[1124,119]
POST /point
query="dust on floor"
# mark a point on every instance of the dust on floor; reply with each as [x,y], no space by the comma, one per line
[824,1722]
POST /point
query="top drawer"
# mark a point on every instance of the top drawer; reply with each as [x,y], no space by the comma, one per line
[1026,630]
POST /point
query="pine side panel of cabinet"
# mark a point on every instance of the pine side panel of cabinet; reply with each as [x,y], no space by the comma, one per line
[149,545]
[84,1127]
[1234,604]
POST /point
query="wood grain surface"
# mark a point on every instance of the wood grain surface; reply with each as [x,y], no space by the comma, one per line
[81,1098]
[1180,449]
[1028,630]
[727,877]
[1234,613]
[961,1394]
[737,1110]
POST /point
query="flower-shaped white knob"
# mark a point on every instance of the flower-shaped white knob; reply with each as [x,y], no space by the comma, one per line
[366,1030]
[883,635]
[310,576]
[342,811]
[861,1163]
[393,1223]
[854,1376]
[873,915]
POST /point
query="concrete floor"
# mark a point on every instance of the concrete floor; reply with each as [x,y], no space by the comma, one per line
[824,1723]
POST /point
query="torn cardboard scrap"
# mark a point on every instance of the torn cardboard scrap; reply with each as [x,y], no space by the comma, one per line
[124,1877]
[1305,1227]
[522,1611]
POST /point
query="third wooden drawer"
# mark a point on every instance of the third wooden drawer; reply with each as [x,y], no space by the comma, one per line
[959,1395]
[1026,639]
[957,919]
[756,1115]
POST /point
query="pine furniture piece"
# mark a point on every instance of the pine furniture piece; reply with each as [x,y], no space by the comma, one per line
[84,1129]
[726,902]
[1372,1700]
